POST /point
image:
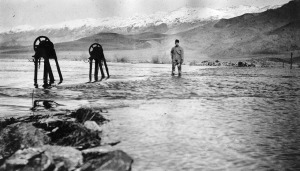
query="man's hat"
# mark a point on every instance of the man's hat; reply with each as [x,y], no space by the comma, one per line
[176,41]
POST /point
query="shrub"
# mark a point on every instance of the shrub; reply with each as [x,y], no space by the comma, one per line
[193,63]
[155,59]
[122,59]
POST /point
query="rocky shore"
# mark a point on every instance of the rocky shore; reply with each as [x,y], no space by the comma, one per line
[59,142]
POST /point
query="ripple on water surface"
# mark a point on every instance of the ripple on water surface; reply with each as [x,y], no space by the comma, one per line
[209,119]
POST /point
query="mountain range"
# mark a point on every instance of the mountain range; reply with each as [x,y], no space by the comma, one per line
[234,31]
[161,22]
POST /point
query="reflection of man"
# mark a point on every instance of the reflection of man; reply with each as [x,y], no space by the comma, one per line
[177,55]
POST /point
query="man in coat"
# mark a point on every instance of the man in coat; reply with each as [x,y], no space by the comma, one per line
[177,55]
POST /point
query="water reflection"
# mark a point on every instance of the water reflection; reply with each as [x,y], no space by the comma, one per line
[39,105]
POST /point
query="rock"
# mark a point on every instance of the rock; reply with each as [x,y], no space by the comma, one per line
[97,150]
[54,158]
[21,135]
[48,124]
[21,157]
[112,161]
[70,157]
[65,132]
[68,133]
[44,158]
[28,159]
[245,64]
[75,135]
[92,125]
[23,144]
[241,64]
[8,121]
[51,120]
[87,114]
[41,162]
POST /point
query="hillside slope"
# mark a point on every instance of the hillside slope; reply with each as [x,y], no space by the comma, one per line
[114,41]
[270,32]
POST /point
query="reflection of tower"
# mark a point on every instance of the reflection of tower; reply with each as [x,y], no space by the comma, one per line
[292,48]
[291,60]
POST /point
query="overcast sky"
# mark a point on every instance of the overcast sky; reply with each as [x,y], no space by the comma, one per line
[42,12]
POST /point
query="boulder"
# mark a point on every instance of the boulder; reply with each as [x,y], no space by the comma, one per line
[44,158]
[7,121]
[23,144]
[75,135]
[87,114]
[241,64]
[112,161]
[58,158]
[21,135]
[70,133]
[97,150]
[92,125]
[70,157]
[28,159]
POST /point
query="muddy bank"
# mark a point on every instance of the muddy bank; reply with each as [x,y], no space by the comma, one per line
[60,141]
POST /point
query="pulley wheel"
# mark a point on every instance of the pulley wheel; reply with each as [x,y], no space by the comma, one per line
[39,40]
[93,46]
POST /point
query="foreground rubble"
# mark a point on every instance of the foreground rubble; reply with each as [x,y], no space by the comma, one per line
[59,142]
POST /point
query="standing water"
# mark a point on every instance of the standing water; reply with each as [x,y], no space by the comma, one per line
[218,118]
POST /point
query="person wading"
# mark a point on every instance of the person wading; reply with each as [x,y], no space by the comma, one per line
[177,55]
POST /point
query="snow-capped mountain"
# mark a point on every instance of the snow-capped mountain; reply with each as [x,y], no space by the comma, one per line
[182,15]
[175,21]
[22,28]
[216,33]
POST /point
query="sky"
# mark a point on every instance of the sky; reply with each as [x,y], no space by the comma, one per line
[43,12]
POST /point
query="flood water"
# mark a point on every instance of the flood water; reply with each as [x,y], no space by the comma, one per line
[211,118]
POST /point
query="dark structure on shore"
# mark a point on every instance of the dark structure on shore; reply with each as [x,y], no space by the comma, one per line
[44,48]
[96,54]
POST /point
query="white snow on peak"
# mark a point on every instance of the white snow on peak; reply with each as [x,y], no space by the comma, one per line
[243,9]
[181,15]
[22,28]
[73,24]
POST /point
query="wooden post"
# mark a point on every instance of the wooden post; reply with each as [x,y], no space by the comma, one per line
[91,67]
[35,71]
[46,72]
[291,60]
[58,70]
[50,74]
[96,70]
[282,64]
[106,68]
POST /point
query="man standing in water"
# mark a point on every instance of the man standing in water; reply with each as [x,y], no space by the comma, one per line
[177,55]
